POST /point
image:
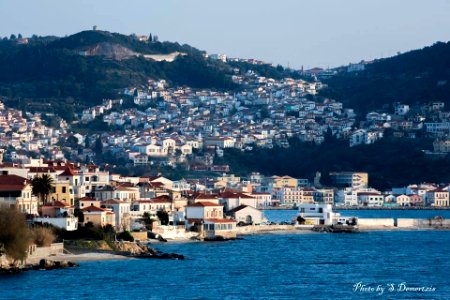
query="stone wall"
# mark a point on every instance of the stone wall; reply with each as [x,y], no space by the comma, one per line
[251,229]
[376,222]
[35,253]
[142,236]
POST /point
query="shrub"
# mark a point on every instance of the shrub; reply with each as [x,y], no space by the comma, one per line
[126,236]
[14,233]
[42,237]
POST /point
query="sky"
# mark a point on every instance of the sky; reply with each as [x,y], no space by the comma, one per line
[294,33]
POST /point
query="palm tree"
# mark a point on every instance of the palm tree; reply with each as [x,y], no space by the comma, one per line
[42,187]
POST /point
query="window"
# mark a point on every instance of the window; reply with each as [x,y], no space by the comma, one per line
[64,190]
[86,178]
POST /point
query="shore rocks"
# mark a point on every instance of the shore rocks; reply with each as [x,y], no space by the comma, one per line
[44,264]
[149,252]
[335,229]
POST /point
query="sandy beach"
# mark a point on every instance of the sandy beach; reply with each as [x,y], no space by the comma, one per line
[91,256]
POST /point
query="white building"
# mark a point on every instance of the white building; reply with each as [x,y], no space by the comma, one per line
[317,214]
[247,214]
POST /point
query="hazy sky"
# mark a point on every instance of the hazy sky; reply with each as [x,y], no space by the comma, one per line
[295,32]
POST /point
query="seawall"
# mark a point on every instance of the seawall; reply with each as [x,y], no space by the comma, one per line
[255,229]
[402,223]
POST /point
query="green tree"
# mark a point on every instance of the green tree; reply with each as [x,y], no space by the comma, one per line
[126,236]
[42,187]
[14,234]
[163,217]
[98,147]
[147,220]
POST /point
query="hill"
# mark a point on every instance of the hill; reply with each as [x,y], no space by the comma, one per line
[415,77]
[88,66]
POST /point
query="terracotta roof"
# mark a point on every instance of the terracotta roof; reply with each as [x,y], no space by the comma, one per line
[369,194]
[206,196]
[60,204]
[221,220]
[12,183]
[162,198]
[41,169]
[234,195]
[68,172]
[189,220]
[10,187]
[93,209]
[203,204]
[87,199]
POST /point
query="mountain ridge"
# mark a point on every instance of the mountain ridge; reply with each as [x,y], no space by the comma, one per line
[414,77]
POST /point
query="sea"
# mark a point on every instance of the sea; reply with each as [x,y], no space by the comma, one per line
[368,265]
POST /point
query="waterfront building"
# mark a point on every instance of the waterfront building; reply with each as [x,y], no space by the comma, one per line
[121,210]
[98,216]
[438,197]
[16,191]
[403,200]
[247,214]
[232,200]
[317,214]
[219,228]
[262,199]
[204,210]
[293,196]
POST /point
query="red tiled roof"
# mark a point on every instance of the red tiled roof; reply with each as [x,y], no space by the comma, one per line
[221,220]
[194,220]
[206,196]
[93,209]
[41,169]
[234,195]
[11,187]
[60,204]
[12,183]
[87,199]
[203,204]
[369,194]
[163,197]
[68,172]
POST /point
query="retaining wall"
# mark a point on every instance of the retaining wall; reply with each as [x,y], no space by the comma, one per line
[43,252]
[262,228]
[376,222]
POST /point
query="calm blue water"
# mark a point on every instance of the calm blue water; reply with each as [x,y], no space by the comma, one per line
[276,266]
[288,215]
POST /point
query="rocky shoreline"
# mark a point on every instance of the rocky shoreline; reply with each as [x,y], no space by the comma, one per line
[122,250]
[44,264]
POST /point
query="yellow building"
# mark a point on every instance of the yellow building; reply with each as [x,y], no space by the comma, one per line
[99,216]
[62,191]
[283,181]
